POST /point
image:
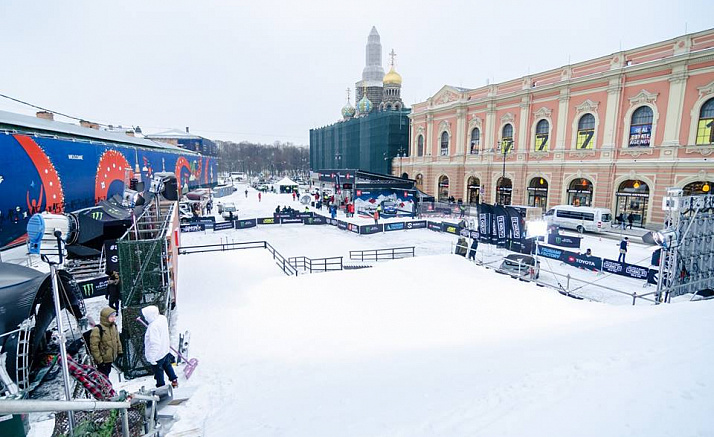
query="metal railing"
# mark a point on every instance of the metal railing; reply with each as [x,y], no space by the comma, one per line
[331,264]
[380,254]
[280,260]
[24,406]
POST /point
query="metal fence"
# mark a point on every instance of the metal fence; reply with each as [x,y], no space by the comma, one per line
[381,254]
[280,260]
[331,264]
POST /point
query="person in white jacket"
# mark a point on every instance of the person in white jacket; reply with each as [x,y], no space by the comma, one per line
[156,345]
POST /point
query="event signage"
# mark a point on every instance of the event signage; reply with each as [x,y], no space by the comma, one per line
[220,226]
[586,262]
[317,220]
[94,286]
[624,269]
[290,220]
[550,252]
[341,224]
[371,229]
[451,228]
[442,210]
[353,228]
[193,227]
[564,240]
[420,224]
[301,215]
[434,226]
[111,249]
[243,224]
[331,221]
[268,221]
[394,226]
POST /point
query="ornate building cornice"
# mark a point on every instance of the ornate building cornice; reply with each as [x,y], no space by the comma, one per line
[587,106]
[643,97]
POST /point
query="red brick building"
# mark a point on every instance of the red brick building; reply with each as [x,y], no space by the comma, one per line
[611,132]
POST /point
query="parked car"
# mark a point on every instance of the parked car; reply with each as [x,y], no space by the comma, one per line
[520,266]
[229,211]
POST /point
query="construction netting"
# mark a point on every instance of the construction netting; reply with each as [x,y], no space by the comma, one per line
[104,423]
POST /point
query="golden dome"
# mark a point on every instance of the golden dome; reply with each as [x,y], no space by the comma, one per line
[392,77]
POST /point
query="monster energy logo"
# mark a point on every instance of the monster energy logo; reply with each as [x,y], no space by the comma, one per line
[88,289]
[97,215]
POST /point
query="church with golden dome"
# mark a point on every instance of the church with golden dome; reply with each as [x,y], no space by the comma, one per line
[372,132]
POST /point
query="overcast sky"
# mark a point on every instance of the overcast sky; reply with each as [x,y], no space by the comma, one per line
[266,70]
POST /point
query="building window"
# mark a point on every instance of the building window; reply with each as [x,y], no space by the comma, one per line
[632,201]
[444,144]
[443,189]
[705,133]
[698,188]
[419,181]
[473,188]
[538,192]
[586,130]
[504,188]
[475,141]
[420,145]
[541,138]
[641,127]
[507,138]
[580,192]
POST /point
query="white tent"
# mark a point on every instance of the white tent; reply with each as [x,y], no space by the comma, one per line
[286,182]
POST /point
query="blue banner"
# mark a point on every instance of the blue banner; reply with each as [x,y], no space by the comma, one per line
[193,227]
[317,220]
[243,224]
[342,225]
[564,240]
[371,229]
[434,226]
[398,226]
[290,220]
[628,270]
[420,224]
[220,226]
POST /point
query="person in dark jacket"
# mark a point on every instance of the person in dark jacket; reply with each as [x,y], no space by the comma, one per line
[113,290]
[461,247]
[623,250]
[472,251]
[104,343]
[630,219]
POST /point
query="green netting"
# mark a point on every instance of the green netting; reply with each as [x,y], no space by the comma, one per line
[141,269]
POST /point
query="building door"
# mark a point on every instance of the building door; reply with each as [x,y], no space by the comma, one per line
[443,189]
[473,188]
[538,193]
[580,192]
[633,198]
[504,188]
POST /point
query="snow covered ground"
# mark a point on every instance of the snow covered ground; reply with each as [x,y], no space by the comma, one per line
[427,346]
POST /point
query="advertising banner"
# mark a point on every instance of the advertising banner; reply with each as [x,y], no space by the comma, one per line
[564,240]
[484,223]
[370,229]
[451,228]
[398,226]
[500,218]
[550,252]
[624,269]
[421,224]
[284,221]
[317,220]
[94,287]
[353,228]
[243,224]
[193,227]
[268,221]
[112,252]
[434,226]
[220,226]
[342,225]
[331,221]
[586,262]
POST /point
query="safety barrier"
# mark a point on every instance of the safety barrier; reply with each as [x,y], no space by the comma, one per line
[380,254]
[280,260]
[331,264]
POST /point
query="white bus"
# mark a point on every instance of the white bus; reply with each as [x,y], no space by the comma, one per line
[580,218]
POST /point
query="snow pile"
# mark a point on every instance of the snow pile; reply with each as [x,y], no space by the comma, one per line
[433,346]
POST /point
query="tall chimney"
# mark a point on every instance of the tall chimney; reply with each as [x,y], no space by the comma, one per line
[186,129]
[45,115]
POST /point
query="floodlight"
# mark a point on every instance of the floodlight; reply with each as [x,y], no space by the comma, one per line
[665,237]
[537,228]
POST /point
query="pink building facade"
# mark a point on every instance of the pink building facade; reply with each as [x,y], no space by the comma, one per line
[613,132]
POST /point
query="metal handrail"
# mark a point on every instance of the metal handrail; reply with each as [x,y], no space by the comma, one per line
[280,260]
[21,406]
[317,264]
[377,254]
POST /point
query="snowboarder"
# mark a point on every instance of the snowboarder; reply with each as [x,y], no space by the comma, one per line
[246,193]
[113,292]
[472,251]
[156,345]
[623,250]
[209,206]
[333,211]
[260,196]
[294,196]
[104,343]
[376,216]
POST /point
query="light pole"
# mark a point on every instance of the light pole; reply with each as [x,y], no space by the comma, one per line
[401,154]
[505,146]
[338,160]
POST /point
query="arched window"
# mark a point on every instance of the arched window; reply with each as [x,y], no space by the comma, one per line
[705,128]
[443,189]
[541,138]
[504,188]
[420,145]
[586,130]
[475,141]
[632,202]
[538,192]
[507,138]
[580,192]
[444,144]
[641,127]
[698,188]
[473,188]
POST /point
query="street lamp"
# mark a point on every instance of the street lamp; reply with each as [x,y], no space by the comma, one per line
[505,147]
[338,159]
[401,153]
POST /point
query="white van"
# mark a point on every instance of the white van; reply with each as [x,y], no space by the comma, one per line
[580,218]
